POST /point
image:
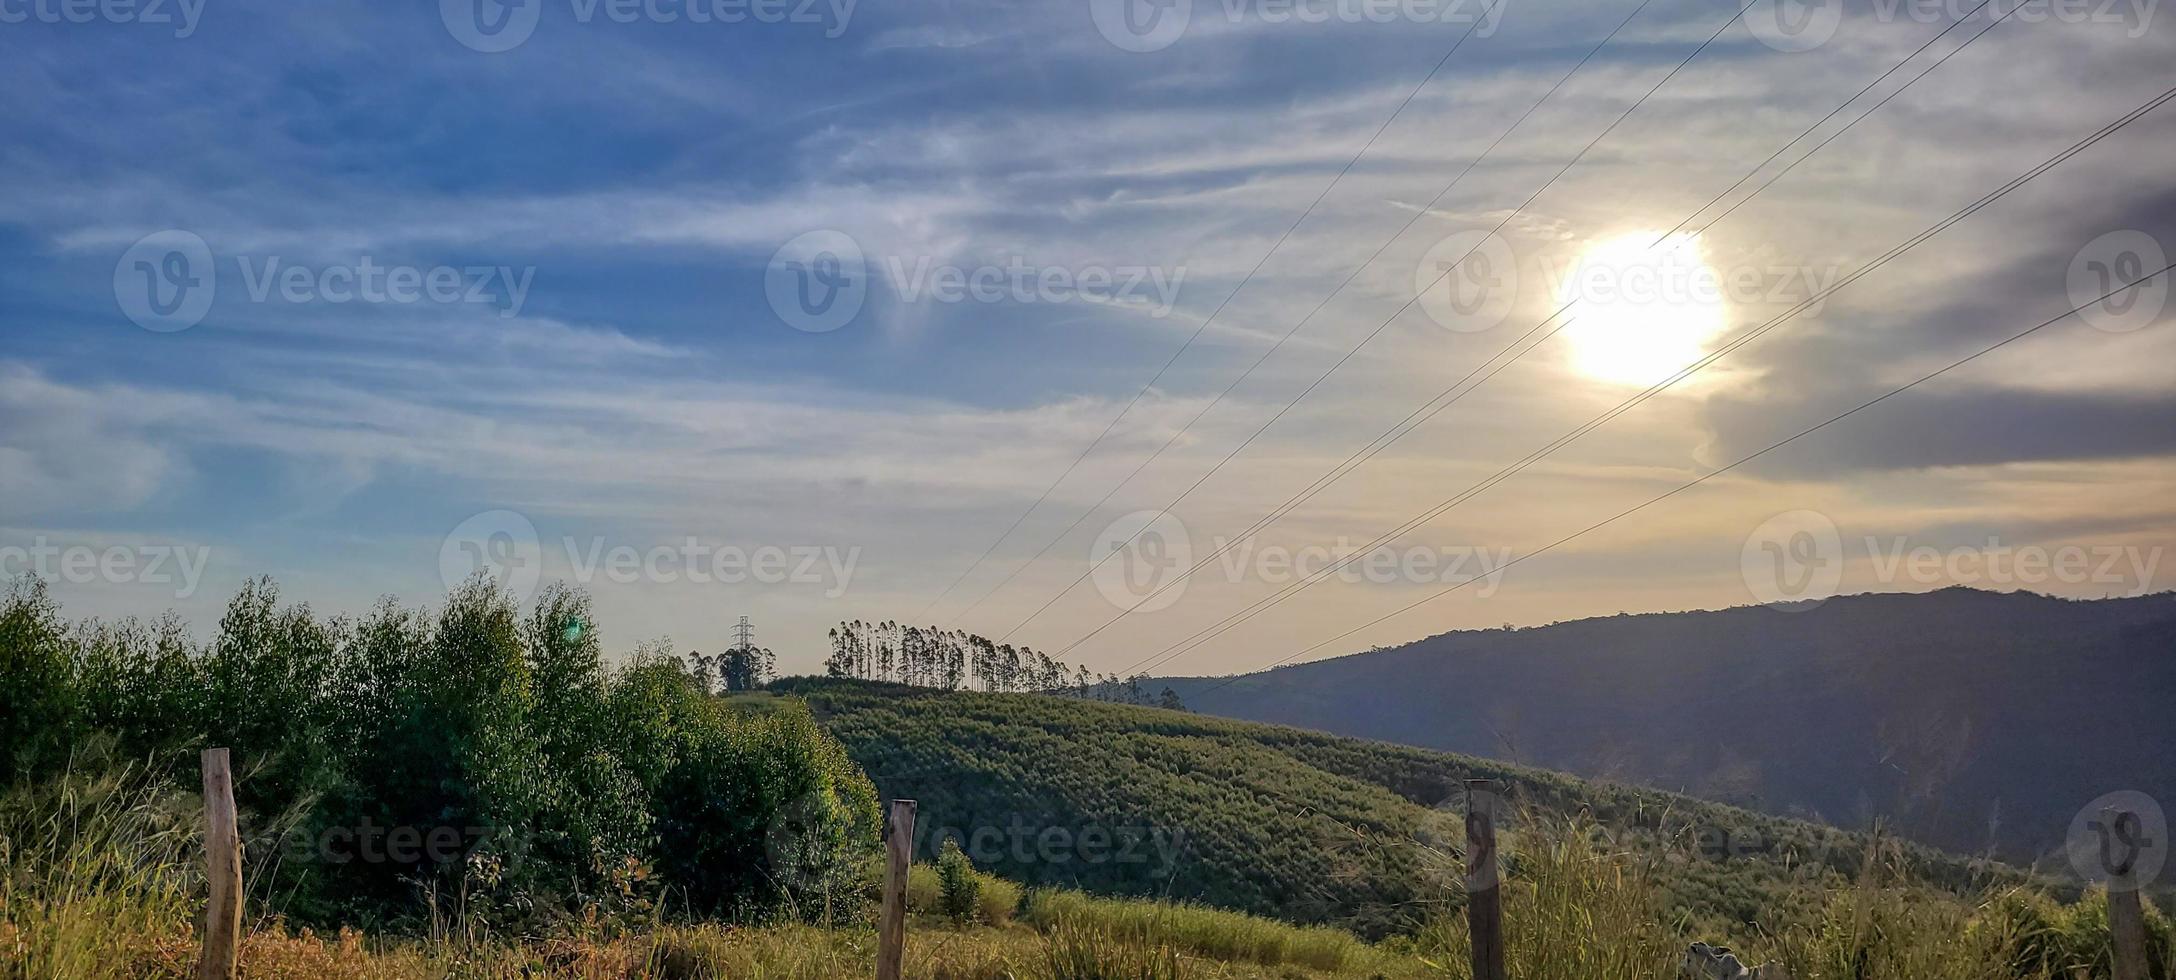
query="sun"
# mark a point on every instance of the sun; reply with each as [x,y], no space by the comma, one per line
[1641,309]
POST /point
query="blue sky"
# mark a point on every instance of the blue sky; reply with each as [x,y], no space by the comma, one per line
[640,179]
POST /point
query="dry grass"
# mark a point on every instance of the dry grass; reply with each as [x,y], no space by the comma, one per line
[99,882]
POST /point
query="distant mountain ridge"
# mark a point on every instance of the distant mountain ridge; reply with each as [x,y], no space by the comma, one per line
[1965,719]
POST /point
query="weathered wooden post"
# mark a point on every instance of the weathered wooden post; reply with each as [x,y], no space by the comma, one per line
[891,936]
[2126,921]
[1484,899]
[222,871]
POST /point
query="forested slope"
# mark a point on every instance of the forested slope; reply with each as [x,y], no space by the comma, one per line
[1960,718]
[1302,825]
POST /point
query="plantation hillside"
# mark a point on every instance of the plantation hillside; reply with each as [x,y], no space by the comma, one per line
[1301,825]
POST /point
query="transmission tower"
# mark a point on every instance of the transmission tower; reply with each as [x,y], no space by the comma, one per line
[744,634]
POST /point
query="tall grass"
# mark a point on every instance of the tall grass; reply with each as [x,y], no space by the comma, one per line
[1199,931]
[996,900]
[1076,951]
[1574,909]
[95,874]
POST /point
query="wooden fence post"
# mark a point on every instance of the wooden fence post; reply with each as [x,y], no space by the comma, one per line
[1484,899]
[222,871]
[891,937]
[2126,922]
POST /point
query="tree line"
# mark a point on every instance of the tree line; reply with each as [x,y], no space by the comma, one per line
[742,668]
[954,660]
[572,784]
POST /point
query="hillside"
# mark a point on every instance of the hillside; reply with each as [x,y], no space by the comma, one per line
[1275,820]
[1960,718]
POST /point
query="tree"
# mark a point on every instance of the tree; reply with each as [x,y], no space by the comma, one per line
[704,670]
[1169,700]
[958,891]
[746,668]
[841,661]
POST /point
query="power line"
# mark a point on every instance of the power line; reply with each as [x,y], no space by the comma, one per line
[1802,433]
[1459,389]
[1196,335]
[1500,225]
[1249,372]
[1203,636]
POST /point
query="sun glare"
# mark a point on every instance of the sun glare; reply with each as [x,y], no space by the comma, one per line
[1639,314]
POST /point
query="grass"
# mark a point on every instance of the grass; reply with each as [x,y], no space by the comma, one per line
[99,882]
[1204,932]
[96,872]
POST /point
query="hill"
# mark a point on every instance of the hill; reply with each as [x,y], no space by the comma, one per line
[1965,719]
[1301,825]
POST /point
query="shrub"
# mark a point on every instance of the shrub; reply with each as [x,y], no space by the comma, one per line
[548,785]
[959,894]
[998,899]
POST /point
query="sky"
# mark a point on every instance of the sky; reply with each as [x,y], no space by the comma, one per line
[718,308]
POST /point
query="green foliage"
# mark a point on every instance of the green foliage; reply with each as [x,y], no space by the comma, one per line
[959,894]
[1077,953]
[473,755]
[1297,825]
[93,870]
[1135,802]
[1198,931]
[950,659]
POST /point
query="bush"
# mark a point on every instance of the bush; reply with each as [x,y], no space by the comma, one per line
[925,891]
[959,894]
[474,756]
[998,899]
